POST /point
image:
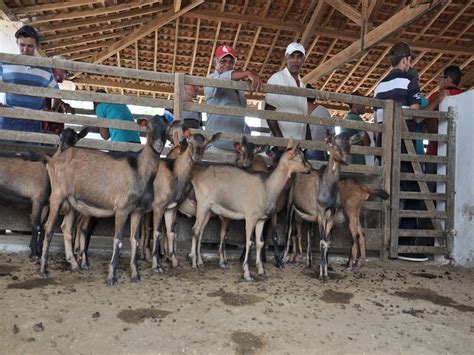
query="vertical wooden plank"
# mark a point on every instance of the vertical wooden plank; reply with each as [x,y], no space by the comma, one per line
[450,188]
[395,188]
[387,145]
[178,96]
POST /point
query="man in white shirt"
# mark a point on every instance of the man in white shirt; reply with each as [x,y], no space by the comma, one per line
[294,58]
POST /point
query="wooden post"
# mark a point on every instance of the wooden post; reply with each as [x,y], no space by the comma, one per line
[387,171]
[395,188]
[178,96]
[450,187]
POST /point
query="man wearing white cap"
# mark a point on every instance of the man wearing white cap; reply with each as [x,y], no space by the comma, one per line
[294,58]
[224,61]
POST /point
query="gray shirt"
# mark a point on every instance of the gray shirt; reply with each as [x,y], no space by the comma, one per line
[225,97]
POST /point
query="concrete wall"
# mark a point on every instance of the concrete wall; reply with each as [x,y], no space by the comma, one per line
[464,199]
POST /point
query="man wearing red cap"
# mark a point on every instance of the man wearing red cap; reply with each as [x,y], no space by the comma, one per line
[290,76]
[224,61]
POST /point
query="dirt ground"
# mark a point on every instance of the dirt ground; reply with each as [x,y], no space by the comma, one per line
[397,308]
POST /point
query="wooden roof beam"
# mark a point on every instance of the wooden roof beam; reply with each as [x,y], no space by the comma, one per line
[93,21]
[196,42]
[467,80]
[52,6]
[177,5]
[378,34]
[7,11]
[347,10]
[107,10]
[143,31]
[312,24]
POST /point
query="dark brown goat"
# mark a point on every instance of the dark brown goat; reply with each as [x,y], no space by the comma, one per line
[24,180]
[103,185]
[316,198]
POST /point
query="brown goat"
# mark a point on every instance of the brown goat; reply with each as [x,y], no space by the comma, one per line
[24,180]
[236,194]
[171,186]
[103,185]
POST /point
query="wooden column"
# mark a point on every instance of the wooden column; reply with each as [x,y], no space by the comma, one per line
[387,158]
[395,188]
[178,96]
[450,188]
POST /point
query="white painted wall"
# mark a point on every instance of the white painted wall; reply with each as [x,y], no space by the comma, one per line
[464,199]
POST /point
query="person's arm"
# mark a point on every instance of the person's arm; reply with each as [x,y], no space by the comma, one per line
[272,124]
[104,133]
[254,78]
[366,139]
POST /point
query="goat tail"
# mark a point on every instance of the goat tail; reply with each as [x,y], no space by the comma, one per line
[87,210]
[384,195]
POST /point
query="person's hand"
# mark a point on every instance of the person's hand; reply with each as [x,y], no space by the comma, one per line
[256,81]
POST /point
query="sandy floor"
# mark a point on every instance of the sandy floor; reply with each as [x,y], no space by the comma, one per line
[397,307]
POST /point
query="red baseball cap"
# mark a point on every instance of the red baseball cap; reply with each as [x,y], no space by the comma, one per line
[225,50]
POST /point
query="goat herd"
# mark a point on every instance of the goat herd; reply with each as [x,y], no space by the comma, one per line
[84,184]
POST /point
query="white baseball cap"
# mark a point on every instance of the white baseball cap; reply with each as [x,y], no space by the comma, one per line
[294,47]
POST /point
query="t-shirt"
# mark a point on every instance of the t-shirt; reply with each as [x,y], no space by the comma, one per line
[25,75]
[221,122]
[356,158]
[319,132]
[432,123]
[400,87]
[288,103]
[118,112]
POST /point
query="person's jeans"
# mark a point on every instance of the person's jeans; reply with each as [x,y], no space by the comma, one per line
[316,155]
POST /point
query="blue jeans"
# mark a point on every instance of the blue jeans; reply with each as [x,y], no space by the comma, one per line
[316,155]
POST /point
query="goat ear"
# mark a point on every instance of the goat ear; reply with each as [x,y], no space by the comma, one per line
[237,146]
[83,132]
[183,145]
[214,137]
[290,144]
[176,141]
[261,148]
[244,140]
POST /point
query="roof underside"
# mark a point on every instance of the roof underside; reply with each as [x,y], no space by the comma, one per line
[181,36]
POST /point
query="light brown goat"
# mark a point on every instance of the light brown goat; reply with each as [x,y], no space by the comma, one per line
[236,194]
[103,185]
[24,180]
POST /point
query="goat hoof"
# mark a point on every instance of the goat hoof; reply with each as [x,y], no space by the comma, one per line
[323,279]
[85,266]
[34,257]
[177,268]
[348,269]
[200,268]
[263,275]
[135,279]
[223,265]
[248,278]
[75,269]
[157,269]
[112,282]
[43,274]
[279,264]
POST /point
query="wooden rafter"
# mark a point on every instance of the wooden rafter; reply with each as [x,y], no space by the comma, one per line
[93,21]
[106,10]
[52,6]
[375,65]
[311,26]
[175,47]
[239,27]
[468,79]
[155,54]
[216,37]
[196,42]
[256,35]
[151,26]
[392,25]
[454,18]
[177,5]
[346,10]
[354,68]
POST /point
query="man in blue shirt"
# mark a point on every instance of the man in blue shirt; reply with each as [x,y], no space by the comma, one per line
[28,42]
[116,112]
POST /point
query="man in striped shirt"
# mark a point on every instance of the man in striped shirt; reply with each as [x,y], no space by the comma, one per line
[28,42]
[403,87]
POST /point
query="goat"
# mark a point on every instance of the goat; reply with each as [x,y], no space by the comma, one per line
[171,186]
[236,194]
[24,179]
[316,198]
[100,184]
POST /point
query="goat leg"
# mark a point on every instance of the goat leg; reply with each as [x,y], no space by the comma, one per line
[86,233]
[309,255]
[248,244]
[170,216]
[202,218]
[223,237]
[323,248]
[67,227]
[134,242]
[120,220]
[156,241]
[259,246]
[55,202]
